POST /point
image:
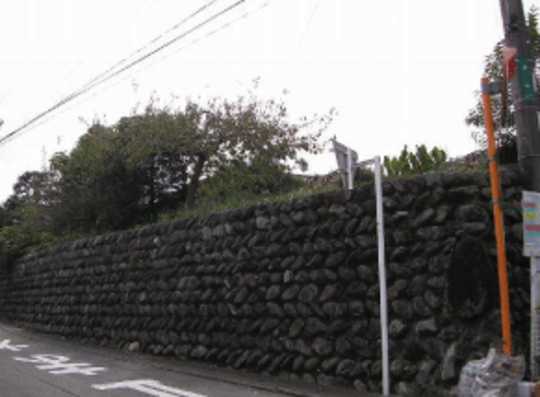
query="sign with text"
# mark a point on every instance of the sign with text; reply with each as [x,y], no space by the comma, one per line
[531,223]
[60,365]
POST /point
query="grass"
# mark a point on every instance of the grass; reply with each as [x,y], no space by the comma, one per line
[206,207]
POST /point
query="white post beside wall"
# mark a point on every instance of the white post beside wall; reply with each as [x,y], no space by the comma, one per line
[347,160]
[382,278]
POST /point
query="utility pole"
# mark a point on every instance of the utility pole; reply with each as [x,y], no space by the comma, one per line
[519,67]
[519,70]
[498,220]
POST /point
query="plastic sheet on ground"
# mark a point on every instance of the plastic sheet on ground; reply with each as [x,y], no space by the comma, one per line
[496,375]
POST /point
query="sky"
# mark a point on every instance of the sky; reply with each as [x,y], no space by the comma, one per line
[397,71]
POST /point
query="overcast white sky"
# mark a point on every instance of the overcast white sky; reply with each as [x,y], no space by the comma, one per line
[397,71]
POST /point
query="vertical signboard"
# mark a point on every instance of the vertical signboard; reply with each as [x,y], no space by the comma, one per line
[531,223]
[347,160]
[531,248]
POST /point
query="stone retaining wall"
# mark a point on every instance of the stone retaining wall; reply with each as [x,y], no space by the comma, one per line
[292,289]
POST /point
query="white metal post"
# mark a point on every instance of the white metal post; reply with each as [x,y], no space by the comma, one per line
[349,169]
[382,278]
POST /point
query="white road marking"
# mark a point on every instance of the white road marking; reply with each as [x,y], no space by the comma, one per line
[149,387]
[6,345]
[59,365]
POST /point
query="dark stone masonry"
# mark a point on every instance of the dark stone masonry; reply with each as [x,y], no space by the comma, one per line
[291,289]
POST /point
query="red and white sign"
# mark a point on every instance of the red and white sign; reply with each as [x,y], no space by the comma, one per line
[510,62]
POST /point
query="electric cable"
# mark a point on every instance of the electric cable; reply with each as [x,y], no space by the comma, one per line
[130,65]
[193,42]
[154,40]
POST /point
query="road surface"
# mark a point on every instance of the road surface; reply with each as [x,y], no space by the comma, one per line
[37,365]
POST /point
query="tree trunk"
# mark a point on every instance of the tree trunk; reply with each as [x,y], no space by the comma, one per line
[194,183]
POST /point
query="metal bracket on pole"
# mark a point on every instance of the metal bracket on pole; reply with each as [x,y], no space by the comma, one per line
[492,87]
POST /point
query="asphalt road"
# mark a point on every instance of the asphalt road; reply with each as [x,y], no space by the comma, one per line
[37,365]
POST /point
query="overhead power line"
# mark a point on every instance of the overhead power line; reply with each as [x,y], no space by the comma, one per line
[106,77]
[211,33]
[153,41]
[223,27]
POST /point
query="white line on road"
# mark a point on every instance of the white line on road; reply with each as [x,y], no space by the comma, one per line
[61,365]
[6,345]
[149,387]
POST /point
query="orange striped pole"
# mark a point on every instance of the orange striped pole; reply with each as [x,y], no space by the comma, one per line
[497,218]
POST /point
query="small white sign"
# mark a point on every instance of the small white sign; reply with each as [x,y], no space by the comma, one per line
[149,387]
[531,223]
[60,365]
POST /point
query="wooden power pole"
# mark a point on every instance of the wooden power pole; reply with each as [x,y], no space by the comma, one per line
[519,67]
[520,74]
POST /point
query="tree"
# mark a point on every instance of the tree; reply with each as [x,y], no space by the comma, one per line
[3,217]
[124,174]
[127,173]
[26,215]
[148,146]
[97,191]
[502,105]
[410,163]
[247,180]
[33,196]
[210,138]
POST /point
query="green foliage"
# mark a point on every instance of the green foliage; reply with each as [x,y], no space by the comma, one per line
[532,23]
[207,139]
[16,239]
[207,206]
[249,180]
[97,191]
[156,162]
[410,163]
[502,105]
[25,218]
[363,175]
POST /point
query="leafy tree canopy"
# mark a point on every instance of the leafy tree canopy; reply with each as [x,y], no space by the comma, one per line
[410,163]
[210,138]
[160,159]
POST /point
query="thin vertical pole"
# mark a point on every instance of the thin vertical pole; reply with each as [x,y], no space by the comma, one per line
[349,169]
[535,268]
[498,219]
[382,278]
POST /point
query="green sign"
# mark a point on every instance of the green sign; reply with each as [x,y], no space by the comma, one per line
[526,78]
